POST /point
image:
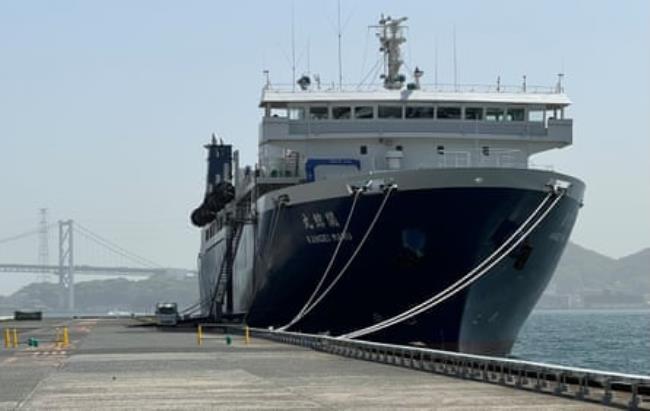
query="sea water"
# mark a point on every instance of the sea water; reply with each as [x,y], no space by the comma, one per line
[609,340]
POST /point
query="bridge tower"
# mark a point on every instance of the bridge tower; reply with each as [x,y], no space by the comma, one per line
[43,246]
[66,263]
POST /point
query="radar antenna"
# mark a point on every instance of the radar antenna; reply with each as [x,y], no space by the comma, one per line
[391,37]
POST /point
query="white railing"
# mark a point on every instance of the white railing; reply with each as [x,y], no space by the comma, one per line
[499,158]
[438,88]
[495,158]
[282,167]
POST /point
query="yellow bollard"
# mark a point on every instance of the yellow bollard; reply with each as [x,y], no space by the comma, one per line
[199,334]
[66,337]
[6,339]
[15,338]
[247,335]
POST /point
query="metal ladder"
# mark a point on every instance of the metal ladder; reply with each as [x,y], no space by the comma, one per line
[226,268]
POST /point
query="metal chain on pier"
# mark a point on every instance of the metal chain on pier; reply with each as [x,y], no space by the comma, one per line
[477,272]
[308,307]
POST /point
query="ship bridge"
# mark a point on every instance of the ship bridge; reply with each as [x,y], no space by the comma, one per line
[366,130]
[405,125]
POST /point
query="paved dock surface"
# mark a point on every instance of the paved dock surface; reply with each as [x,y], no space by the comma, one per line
[120,364]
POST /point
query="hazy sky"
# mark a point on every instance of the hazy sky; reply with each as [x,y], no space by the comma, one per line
[104,106]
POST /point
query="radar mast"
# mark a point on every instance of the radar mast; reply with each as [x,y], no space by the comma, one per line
[391,37]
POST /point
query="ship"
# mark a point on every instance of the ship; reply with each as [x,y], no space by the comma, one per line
[401,213]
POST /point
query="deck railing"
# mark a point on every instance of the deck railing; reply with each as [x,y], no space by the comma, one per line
[438,88]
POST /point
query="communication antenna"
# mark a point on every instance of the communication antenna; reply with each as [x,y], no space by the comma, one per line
[293,47]
[267,75]
[435,62]
[340,35]
[43,246]
[308,56]
[455,61]
[559,88]
[391,37]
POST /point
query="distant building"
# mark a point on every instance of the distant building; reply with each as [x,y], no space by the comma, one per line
[614,299]
[550,301]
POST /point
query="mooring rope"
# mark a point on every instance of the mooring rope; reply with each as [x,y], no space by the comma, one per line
[308,307]
[469,278]
[357,194]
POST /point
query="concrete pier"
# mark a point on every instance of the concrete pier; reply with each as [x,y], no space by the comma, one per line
[113,364]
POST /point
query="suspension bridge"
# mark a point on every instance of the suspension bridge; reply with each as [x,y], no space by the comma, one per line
[72,238]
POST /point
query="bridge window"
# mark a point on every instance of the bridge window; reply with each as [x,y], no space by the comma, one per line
[341,113]
[296,113]
[279,112]
[474,113]
[494,114]
[515,114]
[419,112]
[449,113]
[364,112]
[318,113]
[536,115]
[390,111]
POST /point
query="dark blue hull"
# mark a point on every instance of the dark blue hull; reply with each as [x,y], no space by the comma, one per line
[423,241]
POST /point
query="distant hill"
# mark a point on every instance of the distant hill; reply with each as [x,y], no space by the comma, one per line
[634,271]
[587,279]
[102,296]
[582,270]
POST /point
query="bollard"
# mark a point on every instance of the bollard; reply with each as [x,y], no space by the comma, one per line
[247,335]
[6,338]
[66,337]
[199,334]
[15,335]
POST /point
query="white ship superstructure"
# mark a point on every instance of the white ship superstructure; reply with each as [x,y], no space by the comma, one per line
[406,213]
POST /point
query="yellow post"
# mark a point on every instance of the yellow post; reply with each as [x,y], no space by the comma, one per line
[6,338]
[66,337]
[199,334]
[247,335]
[15,338]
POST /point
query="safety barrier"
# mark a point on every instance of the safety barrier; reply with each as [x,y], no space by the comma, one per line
[11,338]
[608,388]
[200,333]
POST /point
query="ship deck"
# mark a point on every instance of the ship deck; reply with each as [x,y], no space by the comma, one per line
[123,363]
